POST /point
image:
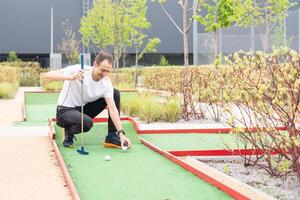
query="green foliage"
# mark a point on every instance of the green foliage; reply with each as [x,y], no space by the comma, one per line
[125,85]
[263,14]
[7,90]
[49,85]
[151,108]
[163,61]
[150,47]
[126,77]
[172,110]
[29,72]
[96,27]
[9,74]
[131,104]
[219,14]
[226,169]
[53,86]
[267,84]
[12,57]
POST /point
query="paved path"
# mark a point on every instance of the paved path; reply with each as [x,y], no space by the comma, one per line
[28,168]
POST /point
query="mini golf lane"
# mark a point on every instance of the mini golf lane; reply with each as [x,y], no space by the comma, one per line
[40,106]
[193,141]
[138,173]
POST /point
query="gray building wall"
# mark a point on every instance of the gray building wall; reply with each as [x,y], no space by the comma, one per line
[25,25]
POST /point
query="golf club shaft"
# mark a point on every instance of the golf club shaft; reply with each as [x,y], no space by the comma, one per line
[81,99]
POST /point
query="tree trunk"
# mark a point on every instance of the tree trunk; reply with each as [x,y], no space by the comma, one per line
[124,58]
[186,77]
[215,44]
[185,33]
[136,57]
[136,66]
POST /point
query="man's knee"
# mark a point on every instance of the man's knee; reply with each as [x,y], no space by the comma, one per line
[87,124]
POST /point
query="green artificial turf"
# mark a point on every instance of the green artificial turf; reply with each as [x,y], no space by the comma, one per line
[193,141]
[39,107]
[138,173]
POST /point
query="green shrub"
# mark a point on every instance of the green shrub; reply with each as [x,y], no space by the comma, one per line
[124,85]
[7,90]
[10,75]
[12,57]
[172,110]
[131,104]
[29,72]
[151,111]
[164,61]
[53,86]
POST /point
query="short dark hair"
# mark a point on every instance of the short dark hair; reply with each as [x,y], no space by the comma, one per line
[104,55]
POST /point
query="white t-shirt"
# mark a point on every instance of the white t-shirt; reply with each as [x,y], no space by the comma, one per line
[92,90]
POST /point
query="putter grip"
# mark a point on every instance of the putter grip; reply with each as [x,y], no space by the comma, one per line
[81,61]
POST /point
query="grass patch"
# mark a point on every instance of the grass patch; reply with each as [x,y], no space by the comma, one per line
[151,108]
[7,90]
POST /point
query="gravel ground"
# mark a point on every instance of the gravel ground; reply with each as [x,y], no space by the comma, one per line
[279,188]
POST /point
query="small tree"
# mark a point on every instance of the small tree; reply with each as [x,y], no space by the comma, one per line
[69,45]
[96,26]
[186,25]
[218,14]
[264,14]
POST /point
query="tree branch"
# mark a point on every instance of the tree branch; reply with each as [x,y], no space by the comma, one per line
[166,12]
[194,13]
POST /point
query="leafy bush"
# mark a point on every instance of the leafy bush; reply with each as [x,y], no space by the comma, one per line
[164,61]
[131,104]
[29,72]
[53,86]
[12,57]
[151,108]
[172,110]
[7,90]
[265,87]
[50,85]
[10,74]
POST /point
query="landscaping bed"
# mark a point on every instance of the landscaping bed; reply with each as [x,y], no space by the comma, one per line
[287,188]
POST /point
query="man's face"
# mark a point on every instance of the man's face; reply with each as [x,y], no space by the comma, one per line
[102,69]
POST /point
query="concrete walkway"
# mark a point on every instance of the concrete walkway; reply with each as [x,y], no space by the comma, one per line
[28,167]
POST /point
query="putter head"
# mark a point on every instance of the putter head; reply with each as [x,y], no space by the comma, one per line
[82,151]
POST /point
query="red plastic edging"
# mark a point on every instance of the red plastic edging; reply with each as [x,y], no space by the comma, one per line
[68,179]
[235,194]
[222,152]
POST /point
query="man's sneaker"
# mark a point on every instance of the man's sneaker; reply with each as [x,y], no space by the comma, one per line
[68,141]
[112,140]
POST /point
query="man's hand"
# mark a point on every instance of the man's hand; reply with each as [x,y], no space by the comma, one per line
[125,142]
[78,76]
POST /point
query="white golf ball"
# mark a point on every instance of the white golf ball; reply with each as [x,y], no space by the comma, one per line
[107,157]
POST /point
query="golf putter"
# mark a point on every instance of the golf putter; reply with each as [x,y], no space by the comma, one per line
[82,151]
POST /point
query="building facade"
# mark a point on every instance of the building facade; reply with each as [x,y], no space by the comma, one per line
[25,27]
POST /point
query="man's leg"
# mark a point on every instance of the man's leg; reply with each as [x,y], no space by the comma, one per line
[70,119]
[94,108]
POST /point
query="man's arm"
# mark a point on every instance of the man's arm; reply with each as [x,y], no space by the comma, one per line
[113,112]
[58,75]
